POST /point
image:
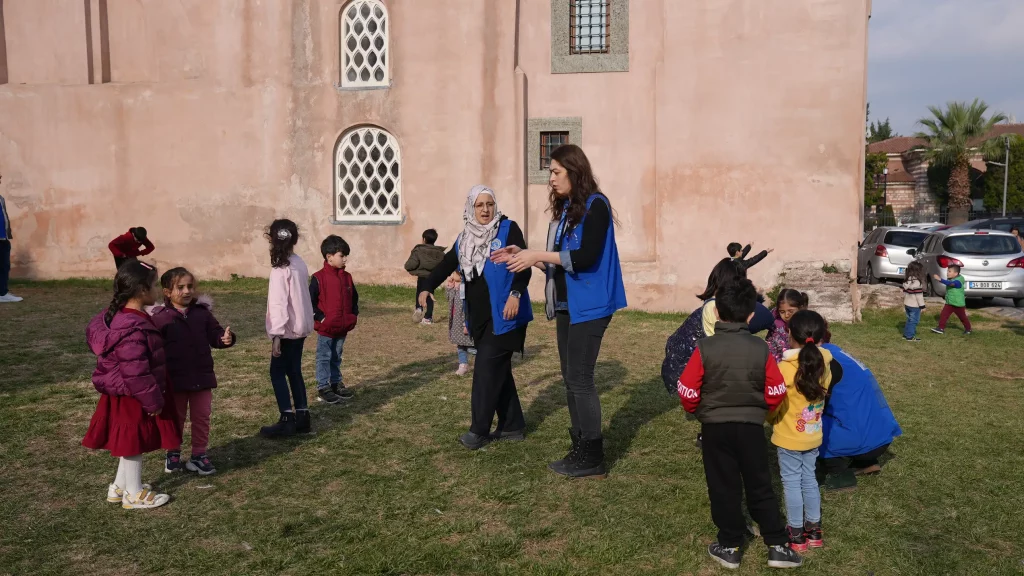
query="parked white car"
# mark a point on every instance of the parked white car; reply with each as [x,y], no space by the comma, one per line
[992,262]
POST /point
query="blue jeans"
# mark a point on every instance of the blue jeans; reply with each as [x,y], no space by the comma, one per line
[463,354]
[286,375]
[913,318]
[328,361]
[803,499]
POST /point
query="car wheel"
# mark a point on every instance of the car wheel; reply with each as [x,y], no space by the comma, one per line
[987,299]
[871,276]
[1018,302]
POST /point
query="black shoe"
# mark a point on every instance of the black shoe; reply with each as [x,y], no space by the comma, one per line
[813,534]
[328,395]
[172,462]
[284,427]
[509,436]
[341,391]
[302,424]
[560,464]
[474,441]
[589,461]
[699,442]
[797,540]
[728,557]
[783,557]
[200,464]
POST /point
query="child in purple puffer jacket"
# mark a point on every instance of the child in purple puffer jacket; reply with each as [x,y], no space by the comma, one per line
[131,377]
[788,302]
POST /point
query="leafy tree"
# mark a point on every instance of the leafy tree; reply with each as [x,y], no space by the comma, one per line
[878,131]
[951,136]
[992,182]
[873,166]
[938,181]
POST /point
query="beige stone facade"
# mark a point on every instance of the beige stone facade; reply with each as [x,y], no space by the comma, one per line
[706,122]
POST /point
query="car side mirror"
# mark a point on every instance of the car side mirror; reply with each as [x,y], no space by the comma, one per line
[912,251]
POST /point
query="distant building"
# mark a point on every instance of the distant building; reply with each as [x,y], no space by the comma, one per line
[706,122]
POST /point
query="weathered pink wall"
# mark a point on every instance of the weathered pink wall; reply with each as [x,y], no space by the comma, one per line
[735,122]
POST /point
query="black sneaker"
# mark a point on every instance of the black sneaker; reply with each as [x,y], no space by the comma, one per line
[699,443]
[797,541]
[341,391]
[588,461]
[327,395]
[172,463]
[284,427]
[728,557]
[200,464]
[302,423]
[813,534]
[913,339]
[783,557]
[509,436]
[938,330]
[967,332]
[474,441]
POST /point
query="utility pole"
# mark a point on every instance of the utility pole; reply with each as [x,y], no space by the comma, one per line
[1006,174]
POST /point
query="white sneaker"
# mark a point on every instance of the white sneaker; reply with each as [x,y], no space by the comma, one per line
[115,494]
[463,369]
[10,298]
[144,500]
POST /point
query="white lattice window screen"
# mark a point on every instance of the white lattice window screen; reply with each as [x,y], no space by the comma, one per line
[368,183]
[364,44]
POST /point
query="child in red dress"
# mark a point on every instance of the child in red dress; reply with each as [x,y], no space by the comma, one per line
[131,417]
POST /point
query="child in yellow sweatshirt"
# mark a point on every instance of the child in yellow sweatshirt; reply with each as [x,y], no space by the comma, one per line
[797,426]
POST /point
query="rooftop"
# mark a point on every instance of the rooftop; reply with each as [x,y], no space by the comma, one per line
[901,144]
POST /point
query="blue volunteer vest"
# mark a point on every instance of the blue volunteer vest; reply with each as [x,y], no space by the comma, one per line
[598,292]
[499,285]
[857,419]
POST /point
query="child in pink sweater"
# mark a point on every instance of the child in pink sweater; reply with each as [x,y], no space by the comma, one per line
[289,321]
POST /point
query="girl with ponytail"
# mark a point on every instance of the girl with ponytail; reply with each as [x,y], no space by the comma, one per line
[809,371]
[131,418]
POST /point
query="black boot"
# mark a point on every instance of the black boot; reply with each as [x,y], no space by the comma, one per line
[284,427]
[302,425]
[571,456]
[589,461]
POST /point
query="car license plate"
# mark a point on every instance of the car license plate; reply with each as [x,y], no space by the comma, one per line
[986,285]
[901,270]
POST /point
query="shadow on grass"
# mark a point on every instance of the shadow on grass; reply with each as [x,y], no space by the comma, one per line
[607,376]
[1015,327]
[370,396]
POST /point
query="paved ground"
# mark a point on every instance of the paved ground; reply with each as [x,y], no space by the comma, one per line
[1003,308]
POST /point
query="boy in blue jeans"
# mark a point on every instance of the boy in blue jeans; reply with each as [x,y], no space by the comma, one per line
[335,312]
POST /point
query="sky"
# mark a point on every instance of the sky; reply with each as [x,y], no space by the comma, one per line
[929,52]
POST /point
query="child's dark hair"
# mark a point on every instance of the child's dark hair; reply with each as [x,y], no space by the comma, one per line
[954,267]
[133,278]
[139,233]
[332,245]
[794,298]
[169,278]
[808,328]
[736,300]
[723,273]
[430,236]
[733,248]
[915,270]
[283,234]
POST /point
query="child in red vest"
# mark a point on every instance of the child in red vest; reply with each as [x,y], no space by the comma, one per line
[131,245]
[335,311]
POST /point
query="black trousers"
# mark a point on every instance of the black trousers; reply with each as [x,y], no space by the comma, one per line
[841,464]
[423,286]
[119,260]
[494,391]
[578,347]
[736,457]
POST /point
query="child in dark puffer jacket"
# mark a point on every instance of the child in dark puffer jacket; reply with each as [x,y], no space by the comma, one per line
[422,261]
[131,378]
[190,331]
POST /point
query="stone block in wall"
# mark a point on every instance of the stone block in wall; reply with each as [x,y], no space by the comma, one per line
[881,296]
[827,285]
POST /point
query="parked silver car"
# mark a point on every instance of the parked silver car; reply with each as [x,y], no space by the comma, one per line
[883,253]
[992,262]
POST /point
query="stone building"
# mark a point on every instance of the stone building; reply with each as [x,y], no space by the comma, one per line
[707,121]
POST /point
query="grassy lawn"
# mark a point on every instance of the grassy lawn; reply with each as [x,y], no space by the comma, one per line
[384,487]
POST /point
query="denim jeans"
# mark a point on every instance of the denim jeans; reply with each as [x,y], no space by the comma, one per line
[803,499]
[328,361]
[286,375]
[463,354]
[913,318]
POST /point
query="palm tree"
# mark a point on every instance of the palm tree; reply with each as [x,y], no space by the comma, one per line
[953,136]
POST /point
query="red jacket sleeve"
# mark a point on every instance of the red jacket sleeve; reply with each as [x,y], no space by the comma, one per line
[774,384]
[148,247]
[691,381]
[115,246]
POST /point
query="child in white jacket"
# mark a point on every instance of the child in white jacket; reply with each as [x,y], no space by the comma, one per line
[913,299]
[289,321]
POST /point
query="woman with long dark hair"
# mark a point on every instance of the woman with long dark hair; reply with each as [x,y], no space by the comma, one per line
[584,289]
[496,319]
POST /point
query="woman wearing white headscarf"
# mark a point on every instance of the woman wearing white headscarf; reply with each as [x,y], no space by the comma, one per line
[495,318]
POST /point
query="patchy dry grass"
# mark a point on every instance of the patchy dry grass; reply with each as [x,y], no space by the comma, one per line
[384,488]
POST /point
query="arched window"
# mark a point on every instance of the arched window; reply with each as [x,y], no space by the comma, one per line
[364,45]
[367,177]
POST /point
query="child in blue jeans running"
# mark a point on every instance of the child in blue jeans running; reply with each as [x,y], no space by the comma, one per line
[913,299]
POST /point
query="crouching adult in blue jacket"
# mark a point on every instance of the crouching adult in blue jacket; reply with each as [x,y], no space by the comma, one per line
[497,313]
[584,289]
[857,424]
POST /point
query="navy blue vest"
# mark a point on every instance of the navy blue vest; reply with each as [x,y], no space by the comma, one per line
[598,292]
[499,285]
